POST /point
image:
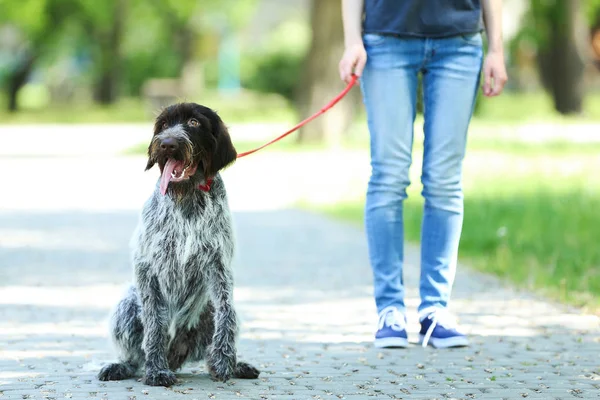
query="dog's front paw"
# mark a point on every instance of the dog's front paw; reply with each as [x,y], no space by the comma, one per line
[163,377]
[115,372]
[220,366]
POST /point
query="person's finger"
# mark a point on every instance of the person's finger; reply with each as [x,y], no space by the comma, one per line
[360,65]
[344,68]
[499,82]
[487,81]
[350,66]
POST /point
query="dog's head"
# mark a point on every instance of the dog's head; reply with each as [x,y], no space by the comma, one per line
[190,145]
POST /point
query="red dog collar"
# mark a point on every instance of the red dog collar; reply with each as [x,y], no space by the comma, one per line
[205,187]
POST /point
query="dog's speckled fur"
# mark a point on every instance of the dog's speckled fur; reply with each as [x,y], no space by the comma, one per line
[180,307]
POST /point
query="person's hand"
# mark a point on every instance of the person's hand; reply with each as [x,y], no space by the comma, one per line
[494,69]
[353,61]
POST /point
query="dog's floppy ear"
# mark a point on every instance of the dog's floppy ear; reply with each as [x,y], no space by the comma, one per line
[157,128]
[224,152]
[150,164]
[151,159]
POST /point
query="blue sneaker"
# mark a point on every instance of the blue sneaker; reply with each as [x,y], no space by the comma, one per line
[391,330]
[439,329]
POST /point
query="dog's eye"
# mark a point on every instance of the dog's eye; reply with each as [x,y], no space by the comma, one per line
[193,122]
[165,125]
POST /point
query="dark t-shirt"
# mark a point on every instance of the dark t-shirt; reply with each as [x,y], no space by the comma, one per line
[422,18]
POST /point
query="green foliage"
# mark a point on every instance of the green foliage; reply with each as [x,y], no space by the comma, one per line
[100,14]
[59,30]
[537,21]
[147,47]
[248,107]
[592,10]
[277,72]
[27,15]
[139,66]
[276,66]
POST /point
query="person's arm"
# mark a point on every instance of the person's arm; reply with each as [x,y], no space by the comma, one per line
[351,18]
[493,67]
[355,56]
[492,19]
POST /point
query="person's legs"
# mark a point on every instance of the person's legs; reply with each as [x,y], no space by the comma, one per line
[450,84]
[389,86]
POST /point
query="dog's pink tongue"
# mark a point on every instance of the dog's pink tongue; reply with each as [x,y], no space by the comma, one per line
[166,175]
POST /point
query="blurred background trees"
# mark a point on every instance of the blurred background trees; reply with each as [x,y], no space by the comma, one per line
[259,53]
[560,33]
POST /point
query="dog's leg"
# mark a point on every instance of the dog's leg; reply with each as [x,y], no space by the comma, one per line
[221,355]
[127,334]
[154,319]
[205,332]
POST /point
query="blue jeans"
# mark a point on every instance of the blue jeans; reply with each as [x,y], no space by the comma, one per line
[450,69]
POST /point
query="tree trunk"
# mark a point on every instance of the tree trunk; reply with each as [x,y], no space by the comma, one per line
[191,69]
[184,41]
[107,84]
[18,79]
[321,82]
[562,63]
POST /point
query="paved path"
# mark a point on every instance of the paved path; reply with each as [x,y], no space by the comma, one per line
[303,293]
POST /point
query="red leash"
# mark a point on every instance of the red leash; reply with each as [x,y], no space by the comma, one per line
[307,120]
[206,187]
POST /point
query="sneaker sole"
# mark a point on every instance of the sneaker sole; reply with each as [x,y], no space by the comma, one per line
[391,342]
[456,341]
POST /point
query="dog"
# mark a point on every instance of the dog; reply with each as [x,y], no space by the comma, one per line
[180,305]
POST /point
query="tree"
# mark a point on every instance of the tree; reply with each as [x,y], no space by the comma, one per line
[103,24]
[26,19]
[320,81]
[41,23]
[123,46]
[561,32]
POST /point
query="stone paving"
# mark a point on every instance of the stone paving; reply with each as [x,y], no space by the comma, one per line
[303,293]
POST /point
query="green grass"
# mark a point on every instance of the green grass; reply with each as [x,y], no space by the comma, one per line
[531,219]
[508,109]
[516,108]
[125,111]
[246,107]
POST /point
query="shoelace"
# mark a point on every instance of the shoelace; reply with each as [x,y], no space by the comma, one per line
[390,316]
[439,317]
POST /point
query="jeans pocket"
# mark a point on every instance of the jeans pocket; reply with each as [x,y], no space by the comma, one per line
[373,39]
[474,39]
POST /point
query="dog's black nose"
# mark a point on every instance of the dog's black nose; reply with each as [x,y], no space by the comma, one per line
[169,144]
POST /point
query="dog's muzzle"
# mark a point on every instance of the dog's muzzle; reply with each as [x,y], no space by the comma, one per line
[174,147]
